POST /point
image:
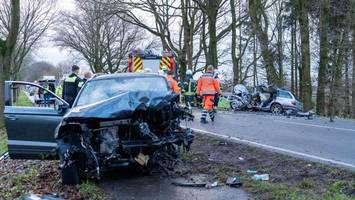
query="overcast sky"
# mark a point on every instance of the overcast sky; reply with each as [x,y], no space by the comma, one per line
[49,52]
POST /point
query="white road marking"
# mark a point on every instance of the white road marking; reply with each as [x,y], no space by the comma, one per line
[314,125]
[339,163]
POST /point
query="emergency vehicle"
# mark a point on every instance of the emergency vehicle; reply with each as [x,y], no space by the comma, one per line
[139,60]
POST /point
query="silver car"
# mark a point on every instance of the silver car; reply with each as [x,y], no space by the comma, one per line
[284,101]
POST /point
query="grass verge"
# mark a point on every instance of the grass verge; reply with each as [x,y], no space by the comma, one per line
[23,100]
[19,178]
[90,190]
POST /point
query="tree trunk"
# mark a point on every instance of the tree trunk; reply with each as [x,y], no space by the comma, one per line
[347,85]
[255,70]
[353,71]
[255,8]
[212,46]
[293,59]
[297,91]
[203,35]
[2,97]
[306,83]
[280,52]
[6,50]
[240,56]
[236,70]
[323,57]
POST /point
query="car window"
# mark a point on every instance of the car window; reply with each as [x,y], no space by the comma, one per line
[22,95]
[99,90]
[284,94]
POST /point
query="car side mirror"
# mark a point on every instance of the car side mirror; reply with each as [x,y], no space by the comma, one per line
[60,106]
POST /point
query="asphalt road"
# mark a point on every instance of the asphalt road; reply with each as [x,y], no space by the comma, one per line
[317,139]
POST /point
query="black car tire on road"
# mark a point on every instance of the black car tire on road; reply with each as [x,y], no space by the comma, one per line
[276,109]
[70,175]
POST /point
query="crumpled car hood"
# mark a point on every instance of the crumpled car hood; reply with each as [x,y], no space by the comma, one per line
[122,106]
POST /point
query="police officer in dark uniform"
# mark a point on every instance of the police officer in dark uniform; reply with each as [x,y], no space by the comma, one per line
[71,85]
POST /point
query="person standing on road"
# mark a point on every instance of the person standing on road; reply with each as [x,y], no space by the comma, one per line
[208,87]
[189,89]
[59,89]
[216,97]
[173,85]
[71,85]
[46,95]
[87,76]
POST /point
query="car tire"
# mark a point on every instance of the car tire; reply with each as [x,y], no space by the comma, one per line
[70,175]
[276,109]
[235,105]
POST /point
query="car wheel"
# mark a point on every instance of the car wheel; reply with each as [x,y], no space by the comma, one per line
[70,175]
[276,109]
[235,105]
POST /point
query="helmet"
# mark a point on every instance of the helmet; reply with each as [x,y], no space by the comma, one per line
[164,68]
[189,72]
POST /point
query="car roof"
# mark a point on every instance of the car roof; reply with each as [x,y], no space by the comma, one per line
[120,75]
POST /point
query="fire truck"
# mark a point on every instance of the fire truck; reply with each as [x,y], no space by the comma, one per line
[140,60]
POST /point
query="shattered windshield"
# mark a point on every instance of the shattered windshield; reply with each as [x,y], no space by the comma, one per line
[99,90]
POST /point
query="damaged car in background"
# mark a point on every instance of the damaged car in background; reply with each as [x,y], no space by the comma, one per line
[117,120]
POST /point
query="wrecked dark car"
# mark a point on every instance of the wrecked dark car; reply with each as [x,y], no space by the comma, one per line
[121,120]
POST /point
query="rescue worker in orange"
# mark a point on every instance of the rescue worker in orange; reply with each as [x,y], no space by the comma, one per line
[173,85]
[208,87]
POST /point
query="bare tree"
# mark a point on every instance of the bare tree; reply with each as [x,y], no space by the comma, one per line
[104,41]
[215,10]
[64,67]
[36,18]
[7,48]
[176,23]
[37,70]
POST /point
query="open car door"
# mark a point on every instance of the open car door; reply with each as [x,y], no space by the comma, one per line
[30,123]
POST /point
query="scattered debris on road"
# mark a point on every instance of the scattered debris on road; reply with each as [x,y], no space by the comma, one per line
[288,176]
[222,143]
[189,184]
[261,177]
[234,181]
[212,185]
[42,197]
[309,115]
[252,172]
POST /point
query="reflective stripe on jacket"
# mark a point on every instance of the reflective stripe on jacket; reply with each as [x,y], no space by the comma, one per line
[207,85]
[82,82]
[59,91]
[190,87]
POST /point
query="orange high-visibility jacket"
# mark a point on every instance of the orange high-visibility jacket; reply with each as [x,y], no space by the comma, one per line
[207,85]
[173,85]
